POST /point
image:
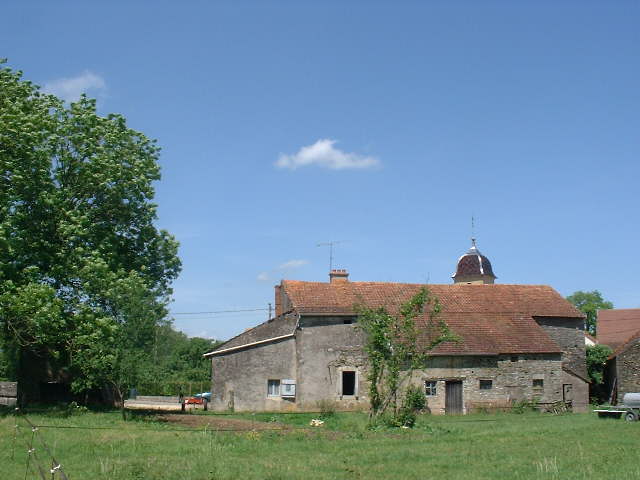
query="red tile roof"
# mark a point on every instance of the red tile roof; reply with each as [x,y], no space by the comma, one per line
[617,327]
[490,319]
[340,298]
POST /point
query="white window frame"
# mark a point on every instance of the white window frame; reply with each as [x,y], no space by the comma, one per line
[432,389]
[273,387]
[287,388]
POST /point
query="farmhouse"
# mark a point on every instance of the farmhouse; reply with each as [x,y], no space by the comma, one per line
[620,330]
[517,342]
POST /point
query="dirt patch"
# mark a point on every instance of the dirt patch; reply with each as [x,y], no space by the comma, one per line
[215,422]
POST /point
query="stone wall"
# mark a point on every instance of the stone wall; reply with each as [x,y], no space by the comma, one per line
[568,333]
[628,369]
[511,380]
[239,378]
[326,347]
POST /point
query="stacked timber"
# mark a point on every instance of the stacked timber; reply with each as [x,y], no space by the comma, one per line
[155,402]
[8,393]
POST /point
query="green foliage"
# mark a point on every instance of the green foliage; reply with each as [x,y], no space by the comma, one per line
[597,356]
[84,273]
[414,399]
[589,303]
[393,349]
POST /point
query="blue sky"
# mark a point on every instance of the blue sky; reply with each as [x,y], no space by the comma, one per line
[385,125]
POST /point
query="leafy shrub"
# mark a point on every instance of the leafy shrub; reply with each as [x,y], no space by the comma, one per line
[414,399]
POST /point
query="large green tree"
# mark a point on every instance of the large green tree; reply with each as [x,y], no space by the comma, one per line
[589,303]
[85,274]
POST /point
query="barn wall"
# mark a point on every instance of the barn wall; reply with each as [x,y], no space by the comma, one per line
[568,333]
[512,380]
[627,365]
[325,348]
[239,379]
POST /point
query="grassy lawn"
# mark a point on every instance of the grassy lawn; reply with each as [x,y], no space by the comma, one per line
[500,446]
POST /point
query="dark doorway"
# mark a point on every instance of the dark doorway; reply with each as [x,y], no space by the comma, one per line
[453,397]
[348,383]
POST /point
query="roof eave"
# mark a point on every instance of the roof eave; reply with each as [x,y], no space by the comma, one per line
[247,345]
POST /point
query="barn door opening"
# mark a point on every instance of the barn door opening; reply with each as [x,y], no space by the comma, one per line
[453,397]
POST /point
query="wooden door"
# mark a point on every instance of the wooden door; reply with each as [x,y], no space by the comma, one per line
[453,397]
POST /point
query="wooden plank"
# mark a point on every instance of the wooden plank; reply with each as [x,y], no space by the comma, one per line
[8,389]
[157,399]
[161,407]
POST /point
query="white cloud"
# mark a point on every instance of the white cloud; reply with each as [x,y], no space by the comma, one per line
[289,265]
[324,154]
[292,264]
[71,88]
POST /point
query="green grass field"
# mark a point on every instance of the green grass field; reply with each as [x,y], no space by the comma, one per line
[482,446]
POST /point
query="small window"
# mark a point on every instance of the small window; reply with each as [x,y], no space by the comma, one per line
[538,383]
[430,388]
[273,388]
[348,382]
[288,388]
[486,384]
[347,321]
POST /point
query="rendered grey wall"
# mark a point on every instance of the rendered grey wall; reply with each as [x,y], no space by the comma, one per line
[325,347]
[240,378]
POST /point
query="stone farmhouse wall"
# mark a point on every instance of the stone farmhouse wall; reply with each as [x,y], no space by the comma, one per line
[568,333]
[326,346]
[627,367]
[240,378]
[512,380]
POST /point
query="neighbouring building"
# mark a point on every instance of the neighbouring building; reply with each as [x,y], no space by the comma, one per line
[620,330]
[517,343]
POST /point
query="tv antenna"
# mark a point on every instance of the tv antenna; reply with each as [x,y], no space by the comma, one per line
[330,245]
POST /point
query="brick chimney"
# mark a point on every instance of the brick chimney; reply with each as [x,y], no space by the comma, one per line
[338,276]
[278,295]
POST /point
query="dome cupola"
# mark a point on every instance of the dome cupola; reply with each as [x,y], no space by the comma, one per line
[473,267]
